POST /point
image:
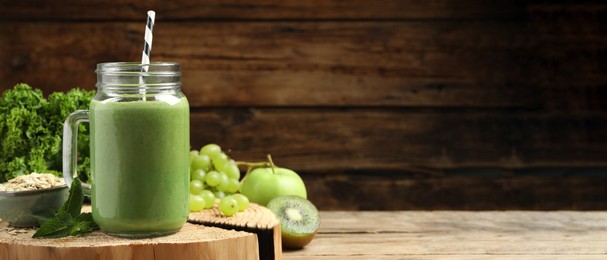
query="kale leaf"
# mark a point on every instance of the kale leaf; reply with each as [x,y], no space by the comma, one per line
[31,128]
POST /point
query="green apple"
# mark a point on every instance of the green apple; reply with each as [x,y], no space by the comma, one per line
[266,183]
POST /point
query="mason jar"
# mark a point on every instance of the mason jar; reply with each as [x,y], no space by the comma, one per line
[140,141]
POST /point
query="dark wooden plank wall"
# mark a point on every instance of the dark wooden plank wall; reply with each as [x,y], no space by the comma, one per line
[450,104]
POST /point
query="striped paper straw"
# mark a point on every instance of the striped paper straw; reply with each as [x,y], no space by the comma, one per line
[147,45]
[147,49]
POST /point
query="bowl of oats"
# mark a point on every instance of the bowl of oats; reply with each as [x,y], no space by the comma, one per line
[27,196]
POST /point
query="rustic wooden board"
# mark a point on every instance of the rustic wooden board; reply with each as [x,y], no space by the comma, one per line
[265,9]
[276,64]
[192,242]
[397,140]
[430,85]
[387,64]
[461,189]
[459,235]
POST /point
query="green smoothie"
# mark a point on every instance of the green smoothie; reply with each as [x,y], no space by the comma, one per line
[140,165]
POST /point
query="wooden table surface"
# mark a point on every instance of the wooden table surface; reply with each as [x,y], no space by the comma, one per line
[458,235]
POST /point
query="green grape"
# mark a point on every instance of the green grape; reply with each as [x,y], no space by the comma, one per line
[233,186]
[219,161]
[225,182]
[243,201]
[198,174]
[196,187]
[228,206]
[201,161]
[193,153]
[197,203]
[231,169]
[210,150]
[213,178]
[219,194]
[209,198]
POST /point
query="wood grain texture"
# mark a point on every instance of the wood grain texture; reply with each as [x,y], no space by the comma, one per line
[441,64]
[255,219]
[192,242]
[531,62]
[461,189]
[456,234]
[325,140]
[277,64]
[264,9]
[356,87]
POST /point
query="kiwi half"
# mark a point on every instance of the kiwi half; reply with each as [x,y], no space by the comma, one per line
[299,220]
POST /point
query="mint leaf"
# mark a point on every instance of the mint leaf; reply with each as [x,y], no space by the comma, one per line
[80,228]
[68,221]
[88,217]
[73,205]
[58,226]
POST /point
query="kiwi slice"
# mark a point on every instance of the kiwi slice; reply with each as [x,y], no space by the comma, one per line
[299,220]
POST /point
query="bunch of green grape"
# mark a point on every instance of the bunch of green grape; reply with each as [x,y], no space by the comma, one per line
[213,175]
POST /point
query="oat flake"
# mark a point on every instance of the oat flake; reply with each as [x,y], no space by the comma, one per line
[33,181]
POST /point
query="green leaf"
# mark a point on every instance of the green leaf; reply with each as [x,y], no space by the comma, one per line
[31,128]
[68,221]
[73,205]
[87,216]
[59,226]
[81,227]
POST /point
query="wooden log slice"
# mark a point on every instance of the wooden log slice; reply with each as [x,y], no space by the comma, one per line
[255,219]
[252,234]
[191,242]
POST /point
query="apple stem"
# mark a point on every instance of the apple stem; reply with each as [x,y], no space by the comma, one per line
[271,163]
[251,165]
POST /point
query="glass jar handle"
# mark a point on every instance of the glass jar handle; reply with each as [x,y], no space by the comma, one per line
[70,147]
